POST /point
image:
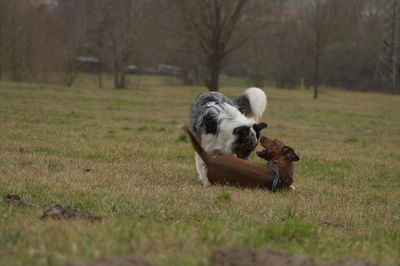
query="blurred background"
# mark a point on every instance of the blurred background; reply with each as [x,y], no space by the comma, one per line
[289,44]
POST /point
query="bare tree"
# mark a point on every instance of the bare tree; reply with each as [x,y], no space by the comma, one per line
[277,54]
[352,57]
[214,29]
[12,34]
[114,37]
[122,28]
[72,23]
[25,39]
[94,41]
[325,41]
[324,21]
[320,21]
[3,13]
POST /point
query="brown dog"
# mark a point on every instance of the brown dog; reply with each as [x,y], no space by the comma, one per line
[230,170]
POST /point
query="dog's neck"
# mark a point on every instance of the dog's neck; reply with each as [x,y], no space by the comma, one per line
[286,169]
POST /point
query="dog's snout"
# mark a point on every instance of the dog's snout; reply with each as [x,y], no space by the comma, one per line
[264,138]
[265,141]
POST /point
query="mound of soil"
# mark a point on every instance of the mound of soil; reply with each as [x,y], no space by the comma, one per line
[350,262]
[12,198]
[335,225]
[127,261]
[15,199]
[60,212]
[247,256]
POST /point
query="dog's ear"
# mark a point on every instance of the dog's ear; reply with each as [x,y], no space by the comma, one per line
[290,154]
[259,127]
[241,131]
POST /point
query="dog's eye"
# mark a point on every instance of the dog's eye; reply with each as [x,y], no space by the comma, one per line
[285,149]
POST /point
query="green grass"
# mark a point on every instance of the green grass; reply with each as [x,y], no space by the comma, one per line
[142,177]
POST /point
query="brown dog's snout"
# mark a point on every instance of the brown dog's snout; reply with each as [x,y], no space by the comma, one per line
[265,142]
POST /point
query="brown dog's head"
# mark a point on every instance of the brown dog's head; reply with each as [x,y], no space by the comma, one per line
[275,149]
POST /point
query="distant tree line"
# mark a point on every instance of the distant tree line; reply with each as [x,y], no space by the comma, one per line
[283,43]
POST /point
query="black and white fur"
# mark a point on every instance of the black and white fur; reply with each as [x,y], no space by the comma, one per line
[221,128]
[252,103]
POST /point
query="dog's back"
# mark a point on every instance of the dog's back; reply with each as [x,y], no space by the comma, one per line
[203,116]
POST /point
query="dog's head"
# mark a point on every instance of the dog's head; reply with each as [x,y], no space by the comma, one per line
[276,149]
[247,139]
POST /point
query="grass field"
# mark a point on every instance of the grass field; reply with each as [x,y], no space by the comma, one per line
[119,154]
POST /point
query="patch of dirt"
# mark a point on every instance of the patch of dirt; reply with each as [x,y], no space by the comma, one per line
[172,219]
[15,199]
[12,198]
[350,262]
[60,212]
[246,256]
[127,261]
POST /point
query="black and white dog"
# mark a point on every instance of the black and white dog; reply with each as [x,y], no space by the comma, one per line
[223,126]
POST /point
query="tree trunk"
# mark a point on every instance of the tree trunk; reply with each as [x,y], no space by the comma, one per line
[116,80]
[1,41]
[1,65]
[100,80]
[317,59]
[15,69]
[317,48]
[119,80]
[316,75]
[1,56]
[122,80]
[213,82]
[100,76]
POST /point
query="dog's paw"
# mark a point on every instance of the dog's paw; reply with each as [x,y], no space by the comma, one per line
[205,182]
[292,188]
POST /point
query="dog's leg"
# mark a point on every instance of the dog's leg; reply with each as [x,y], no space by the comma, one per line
[202,171]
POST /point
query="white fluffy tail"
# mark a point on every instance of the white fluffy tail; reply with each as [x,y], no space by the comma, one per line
[257,100]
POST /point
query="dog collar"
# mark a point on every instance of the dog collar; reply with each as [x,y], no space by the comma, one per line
[277,178]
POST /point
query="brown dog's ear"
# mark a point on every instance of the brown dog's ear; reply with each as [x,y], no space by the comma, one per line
[259,127]
[290,154]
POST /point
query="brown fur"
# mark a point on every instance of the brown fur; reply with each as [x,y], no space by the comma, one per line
[228,169]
